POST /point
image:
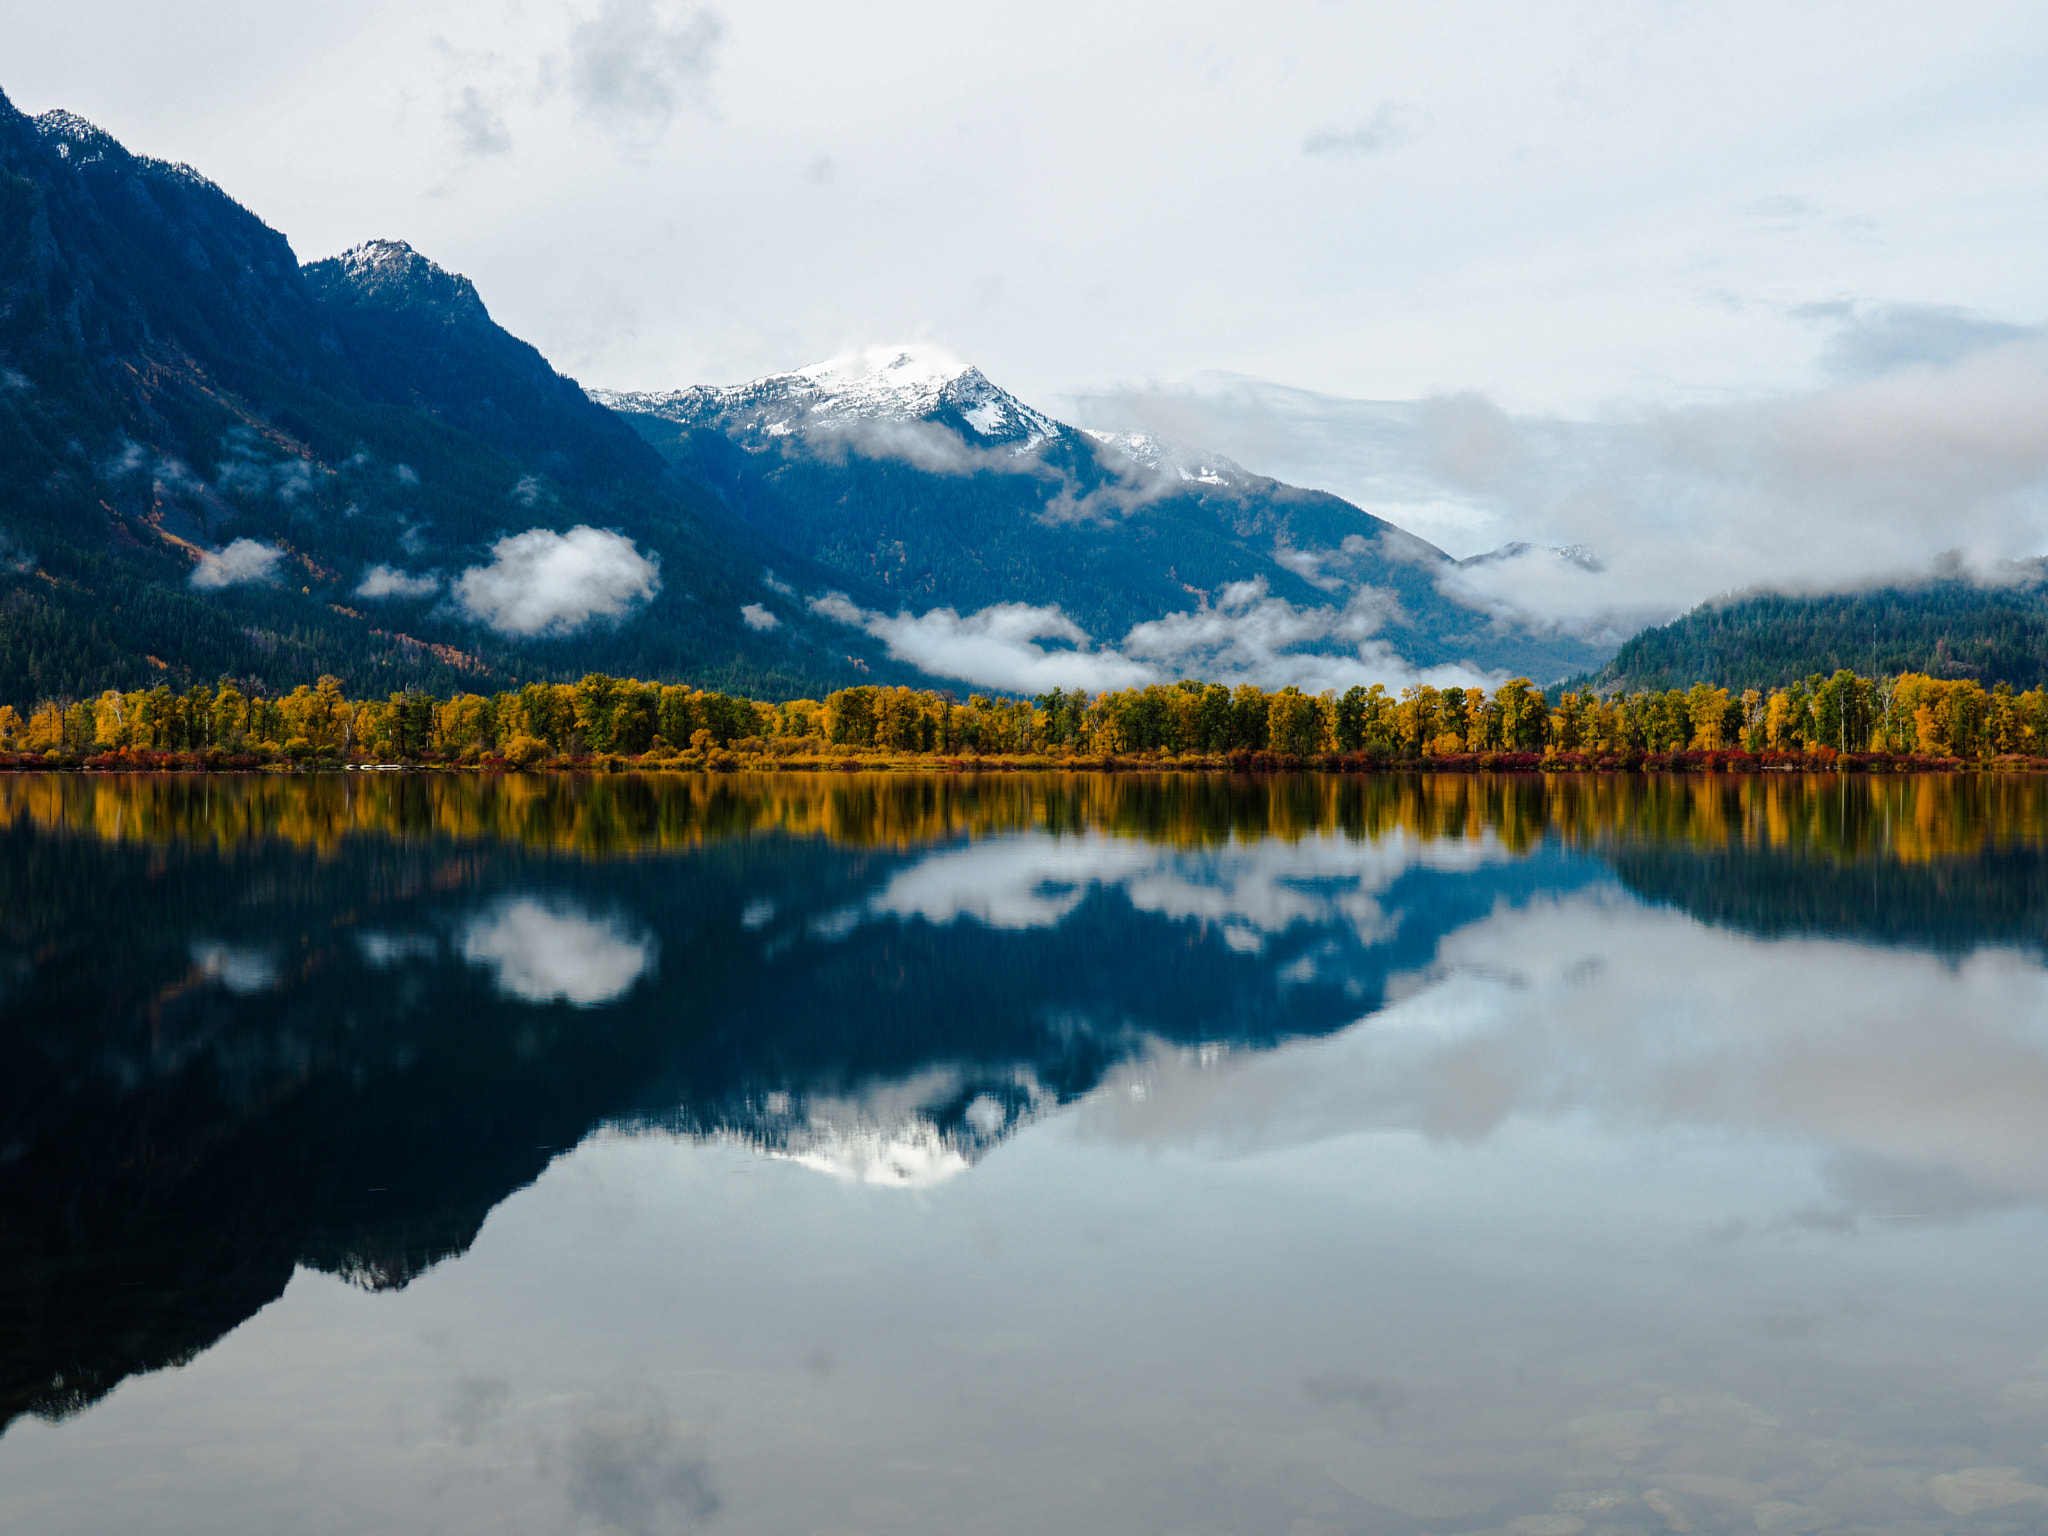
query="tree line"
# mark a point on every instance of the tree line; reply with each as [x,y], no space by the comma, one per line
[607,721]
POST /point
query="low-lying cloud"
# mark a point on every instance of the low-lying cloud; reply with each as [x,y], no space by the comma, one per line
[1247,636]
[542,583]
[1928,436]
[997,647]
[246,469]
[389,581]
[1128,484]
[242,563]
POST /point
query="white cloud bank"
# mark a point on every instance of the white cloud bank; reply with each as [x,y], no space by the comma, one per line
[546,583]
[1928,437]
[242,562]
[1247,636]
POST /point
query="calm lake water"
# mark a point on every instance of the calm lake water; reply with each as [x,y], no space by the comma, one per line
[1023,1154]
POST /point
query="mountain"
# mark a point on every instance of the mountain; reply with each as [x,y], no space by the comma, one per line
[1946,626]
[216,461]
[910,470]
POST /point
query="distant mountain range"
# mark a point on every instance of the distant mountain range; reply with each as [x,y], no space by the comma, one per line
[908,469]
[1947,626]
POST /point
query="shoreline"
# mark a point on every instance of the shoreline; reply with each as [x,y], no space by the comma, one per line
[216,761]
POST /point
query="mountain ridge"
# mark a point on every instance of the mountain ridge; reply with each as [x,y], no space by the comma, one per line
[1946,624]
[909,468]
[217,462]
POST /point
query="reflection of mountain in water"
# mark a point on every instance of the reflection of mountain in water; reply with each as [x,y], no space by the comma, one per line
[251,1025]
[1950,906]
[218,1066]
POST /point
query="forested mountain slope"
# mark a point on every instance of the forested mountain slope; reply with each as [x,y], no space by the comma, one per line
[912,470]
[213,461]
[1953,627]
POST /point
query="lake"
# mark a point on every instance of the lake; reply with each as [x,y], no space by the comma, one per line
[1023,1153]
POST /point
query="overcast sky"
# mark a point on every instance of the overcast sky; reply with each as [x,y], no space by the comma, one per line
[1695,230]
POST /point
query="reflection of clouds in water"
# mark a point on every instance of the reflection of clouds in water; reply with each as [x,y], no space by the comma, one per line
[381,951]
[1924,1081]
[242,970]
[633,1469]
[552,951]
[1249,891]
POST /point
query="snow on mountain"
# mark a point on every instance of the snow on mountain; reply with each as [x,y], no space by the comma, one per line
[1177,461]
[390,274]
[887,385]
[915,384]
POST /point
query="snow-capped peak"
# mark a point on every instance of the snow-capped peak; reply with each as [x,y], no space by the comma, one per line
[392,275]
[912,372]
[882,384]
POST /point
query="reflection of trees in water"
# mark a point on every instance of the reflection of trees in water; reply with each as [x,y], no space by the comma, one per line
[1902,817]
[1948,905]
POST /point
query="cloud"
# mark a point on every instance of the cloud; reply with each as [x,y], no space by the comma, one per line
[242,562]
[630,66]
[938,449]
[1929,435]
[1390,126]
[1784,210]
[15,557]
[546,583]
[997,647]
[531,491]
[1870,342]
[247,471]
[1247,636]
[757,617]
[479,127]
[633,1470]
[388,581]
[928,445]
[554,951]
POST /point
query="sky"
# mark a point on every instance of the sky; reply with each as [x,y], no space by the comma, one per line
[1726,293]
